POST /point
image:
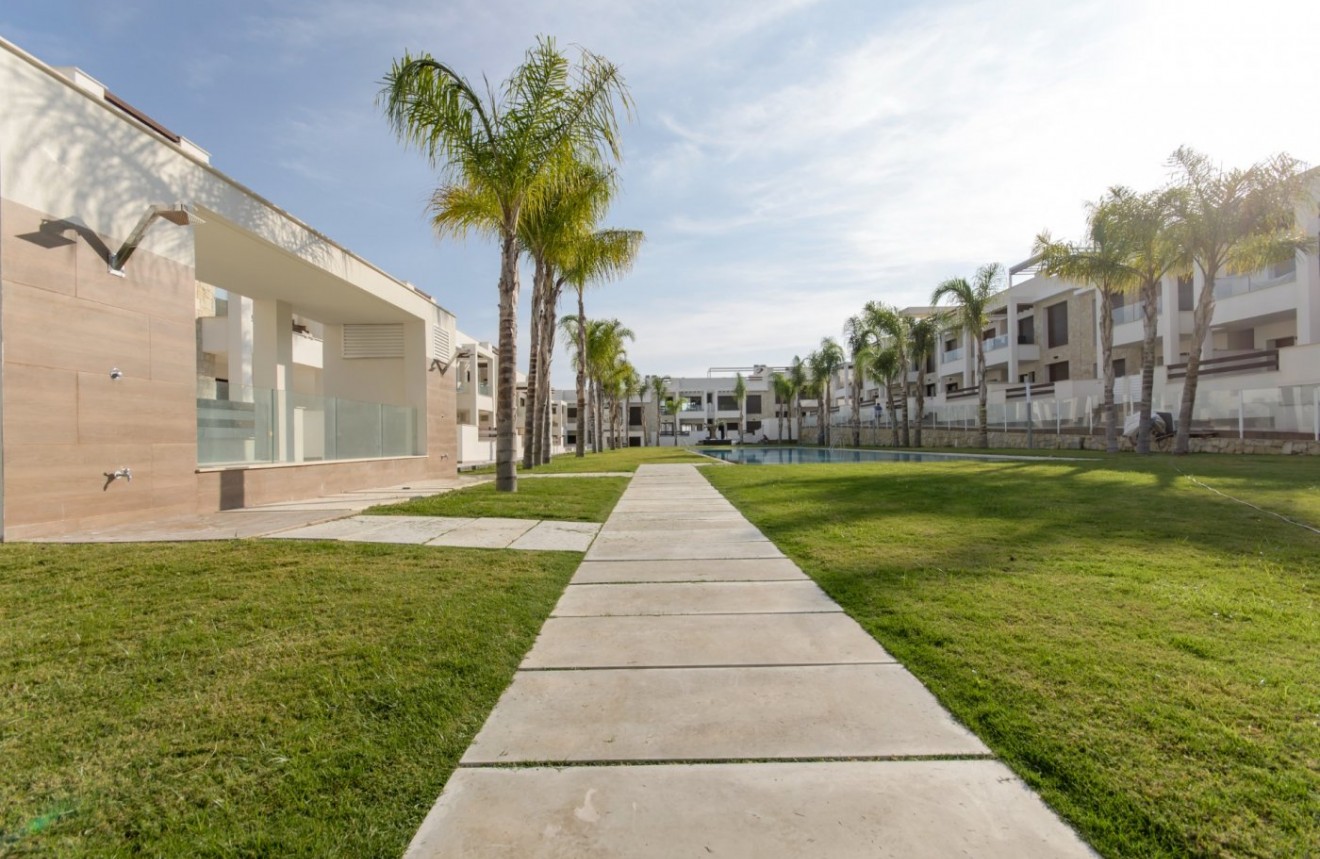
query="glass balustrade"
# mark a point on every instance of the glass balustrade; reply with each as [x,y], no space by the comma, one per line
[249,426]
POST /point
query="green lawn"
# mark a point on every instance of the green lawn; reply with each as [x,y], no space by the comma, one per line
[1143,651]
[624,459]
[571,499]
[248,698]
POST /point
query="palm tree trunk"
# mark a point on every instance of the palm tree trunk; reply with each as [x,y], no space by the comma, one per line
[533,362]
[547,354]
[506,401]
[1107,370]
[598,438]
[903,404]
[893,415]
[797,414]
[581,376]
[1107,359]
[921,404]
[856,405]
[1149,306]
[982,415]
[1205,308]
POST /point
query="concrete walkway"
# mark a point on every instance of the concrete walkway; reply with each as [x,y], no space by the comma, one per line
[694,694]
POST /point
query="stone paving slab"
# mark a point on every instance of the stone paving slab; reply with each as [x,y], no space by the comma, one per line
[407,529]
[706,714]
[486,533]
[677,548]
[558,537]
[702,640]
[349,527]
[690,570]
[676,519]
[690,598]
[845,810]
[697,527]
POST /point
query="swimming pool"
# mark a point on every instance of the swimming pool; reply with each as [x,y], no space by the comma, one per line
[756,455]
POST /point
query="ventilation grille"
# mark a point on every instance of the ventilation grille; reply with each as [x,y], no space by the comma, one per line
[440,342]
[373,341]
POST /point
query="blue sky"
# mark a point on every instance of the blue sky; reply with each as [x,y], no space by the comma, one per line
[790,159]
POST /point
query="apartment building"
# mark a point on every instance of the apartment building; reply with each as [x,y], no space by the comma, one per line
[710,411]
[476,384]
[174,343]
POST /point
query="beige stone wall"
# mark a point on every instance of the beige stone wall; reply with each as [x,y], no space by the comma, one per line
[67,322]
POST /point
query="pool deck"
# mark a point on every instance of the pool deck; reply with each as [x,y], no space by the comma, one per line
[695,694]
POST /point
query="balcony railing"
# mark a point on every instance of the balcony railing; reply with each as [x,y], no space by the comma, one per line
[1132,312]
[245,426]
[994,343]
[1226,287]
[951,355]
[483,388]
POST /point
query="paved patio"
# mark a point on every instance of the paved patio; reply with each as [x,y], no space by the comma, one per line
[693,694]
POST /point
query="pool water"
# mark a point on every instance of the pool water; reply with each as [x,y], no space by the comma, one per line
[756,455]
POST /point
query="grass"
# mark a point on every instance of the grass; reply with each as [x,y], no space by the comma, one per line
[625,459]
[571,499]
[1141,650]
[248,698]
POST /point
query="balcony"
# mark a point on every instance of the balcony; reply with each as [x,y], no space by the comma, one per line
[1264,361]
[951,355]
[994,343]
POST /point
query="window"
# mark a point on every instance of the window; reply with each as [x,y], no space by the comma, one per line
[950,345]
[753,404]
[727,403]
[1027,330]
[1120,366]
[634,416]
[1186,301]
[1056,324]
[572,413]
[1058,372]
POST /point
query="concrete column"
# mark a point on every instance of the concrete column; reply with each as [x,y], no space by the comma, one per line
[272,368]
[1308,296]
[1167,322]
[1012,342]
[240,348]
[969,358]
[415,369]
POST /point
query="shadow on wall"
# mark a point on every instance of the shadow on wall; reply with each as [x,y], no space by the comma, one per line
[233,489]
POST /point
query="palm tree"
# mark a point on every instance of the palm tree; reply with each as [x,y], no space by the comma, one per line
[1103,262]
[924,334]
[740,394]
[554,231]
[782,386]
[602,255]
[859,338]
[1147,221]
[883,365]
[674,403]
[824,361]
[549,113]
[798,375]
[896,329]
[658,386]
[972,315]
[1235,221]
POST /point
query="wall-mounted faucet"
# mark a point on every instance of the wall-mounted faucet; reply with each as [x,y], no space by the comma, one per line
[112,476]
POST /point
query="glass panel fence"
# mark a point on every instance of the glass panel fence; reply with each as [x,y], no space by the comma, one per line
[246,426]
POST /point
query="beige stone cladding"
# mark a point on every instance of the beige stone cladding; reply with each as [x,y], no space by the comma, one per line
[67,323]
